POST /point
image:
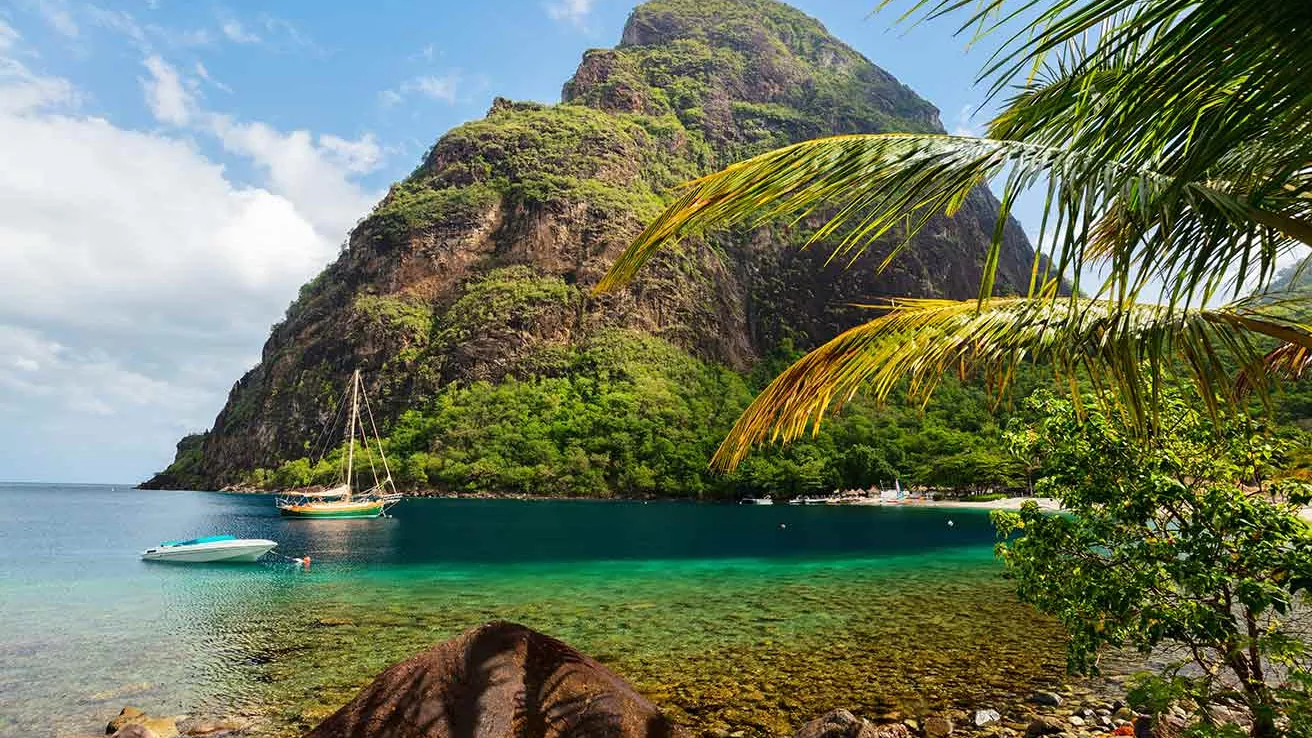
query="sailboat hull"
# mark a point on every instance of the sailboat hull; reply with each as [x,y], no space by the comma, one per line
[337,509]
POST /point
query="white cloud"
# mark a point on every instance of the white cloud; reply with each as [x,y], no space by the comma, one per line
[23,90]
[359,157]
[575,12]
[285,30]
[119,22]
[303,171]
[270,31]
[965,125]
[237,33]
[8,36]
[204,74]
[182,38]
[169,101]
[58,16]
[144,37]
[139,278]
[442,89]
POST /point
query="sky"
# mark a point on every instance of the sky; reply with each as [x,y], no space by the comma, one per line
[171,172]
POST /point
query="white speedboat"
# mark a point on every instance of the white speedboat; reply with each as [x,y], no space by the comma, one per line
[209,549]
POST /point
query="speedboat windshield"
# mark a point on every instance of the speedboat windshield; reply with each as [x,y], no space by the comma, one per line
[194,541]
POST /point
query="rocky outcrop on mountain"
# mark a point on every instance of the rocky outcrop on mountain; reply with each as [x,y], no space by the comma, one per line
[479,265]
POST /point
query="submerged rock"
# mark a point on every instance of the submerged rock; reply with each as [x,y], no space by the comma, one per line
[1051,699]
[843,724]
[497,680]
[211,728]
[937,726]
[833,724]
[1044,726]
[160,727]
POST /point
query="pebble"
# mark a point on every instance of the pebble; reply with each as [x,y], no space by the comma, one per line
[1076,720]
[1043,726]
[1051,699]
[937,726]
[986,717]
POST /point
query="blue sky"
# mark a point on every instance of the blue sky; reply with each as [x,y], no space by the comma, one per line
[175,170]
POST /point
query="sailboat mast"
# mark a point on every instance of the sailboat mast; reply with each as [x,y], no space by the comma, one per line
[350,433]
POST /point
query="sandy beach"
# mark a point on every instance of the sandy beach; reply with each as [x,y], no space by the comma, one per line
[1010,503]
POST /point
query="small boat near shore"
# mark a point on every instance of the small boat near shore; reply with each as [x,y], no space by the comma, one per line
[341,501]
[210,549]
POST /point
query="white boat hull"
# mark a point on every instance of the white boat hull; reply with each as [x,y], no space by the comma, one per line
[246,549]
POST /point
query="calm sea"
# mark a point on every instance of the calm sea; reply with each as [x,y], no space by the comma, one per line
[730,617]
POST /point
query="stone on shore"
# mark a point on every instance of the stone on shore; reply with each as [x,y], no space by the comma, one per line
[134,730]
[986,717]
[500,679]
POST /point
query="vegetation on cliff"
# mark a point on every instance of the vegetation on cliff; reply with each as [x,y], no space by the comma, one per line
[625,414]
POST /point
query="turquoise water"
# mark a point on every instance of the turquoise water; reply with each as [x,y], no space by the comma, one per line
[730,617]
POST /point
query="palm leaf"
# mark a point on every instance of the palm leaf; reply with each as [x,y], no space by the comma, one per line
[880,183]
[915,342]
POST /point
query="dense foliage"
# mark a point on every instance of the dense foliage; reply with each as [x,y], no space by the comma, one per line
[628,414]
[1179,539]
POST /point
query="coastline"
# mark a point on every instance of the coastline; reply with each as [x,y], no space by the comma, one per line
[1009,503]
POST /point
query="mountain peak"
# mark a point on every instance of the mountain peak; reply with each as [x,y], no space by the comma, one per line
[749,75]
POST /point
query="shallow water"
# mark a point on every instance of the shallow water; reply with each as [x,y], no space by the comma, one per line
[738,618]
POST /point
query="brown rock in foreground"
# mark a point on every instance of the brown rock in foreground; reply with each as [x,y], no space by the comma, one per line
[497,680]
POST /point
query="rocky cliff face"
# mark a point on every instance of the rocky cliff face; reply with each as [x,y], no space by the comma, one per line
[478,265]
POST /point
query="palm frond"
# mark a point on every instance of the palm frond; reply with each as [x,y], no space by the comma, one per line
[881,183]
[1257,47]
[915,342]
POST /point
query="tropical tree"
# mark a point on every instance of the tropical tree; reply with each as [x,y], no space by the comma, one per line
[1170,545]
[1172,141]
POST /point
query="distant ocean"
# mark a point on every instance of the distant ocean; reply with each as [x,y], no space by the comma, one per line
[729,617]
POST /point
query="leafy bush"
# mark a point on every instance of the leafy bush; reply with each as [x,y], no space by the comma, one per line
[1177,538]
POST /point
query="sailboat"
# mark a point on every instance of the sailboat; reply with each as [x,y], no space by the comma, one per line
[342,501]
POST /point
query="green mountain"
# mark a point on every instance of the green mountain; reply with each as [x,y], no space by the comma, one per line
[464,297]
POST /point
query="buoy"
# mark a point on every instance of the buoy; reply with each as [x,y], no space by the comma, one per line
[951,524]
[783,525]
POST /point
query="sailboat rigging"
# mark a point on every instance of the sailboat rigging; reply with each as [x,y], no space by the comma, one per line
[342,501]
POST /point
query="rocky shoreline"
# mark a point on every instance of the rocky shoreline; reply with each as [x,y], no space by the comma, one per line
[503,679]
